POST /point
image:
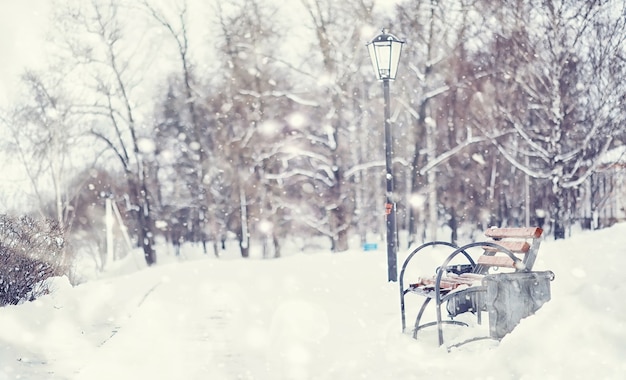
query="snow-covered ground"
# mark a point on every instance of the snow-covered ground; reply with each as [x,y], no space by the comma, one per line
[311,316]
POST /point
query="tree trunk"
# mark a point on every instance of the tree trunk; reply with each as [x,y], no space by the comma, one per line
[341,243]
[242,234]
[243,244]
[433,210]
[559,214]
[453,223]
[339,217]
[142,214]
[276,246]
[147,241]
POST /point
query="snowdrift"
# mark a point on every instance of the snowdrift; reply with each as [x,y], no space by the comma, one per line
[311,316]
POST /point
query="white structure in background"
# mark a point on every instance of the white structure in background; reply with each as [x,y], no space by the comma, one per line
[604,194]
[113,216]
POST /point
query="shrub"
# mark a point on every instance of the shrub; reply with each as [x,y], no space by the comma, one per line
[31,251]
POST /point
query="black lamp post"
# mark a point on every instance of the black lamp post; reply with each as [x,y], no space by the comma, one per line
[384,52]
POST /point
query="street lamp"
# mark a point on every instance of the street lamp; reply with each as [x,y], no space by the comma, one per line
[384,51]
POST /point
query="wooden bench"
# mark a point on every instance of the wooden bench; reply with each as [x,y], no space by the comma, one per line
[460,286]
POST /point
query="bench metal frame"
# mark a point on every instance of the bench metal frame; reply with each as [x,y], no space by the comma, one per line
[475,293]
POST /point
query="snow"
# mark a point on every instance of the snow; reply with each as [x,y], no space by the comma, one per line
[311,315]
[614,156]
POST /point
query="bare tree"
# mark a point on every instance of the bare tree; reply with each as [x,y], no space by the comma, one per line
[106,55]
[196,143]
[556,93]
[338,49]
[45,138]
[250,123]
[438,80]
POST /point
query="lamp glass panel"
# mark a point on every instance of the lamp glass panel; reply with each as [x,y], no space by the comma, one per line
[384,59]
[396,49]
[372,50]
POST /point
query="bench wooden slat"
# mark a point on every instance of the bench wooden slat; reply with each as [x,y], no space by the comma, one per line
[470,280]
[496,261]
[451,282]
[519,246]
[520,233]
[472,276]
[460,280]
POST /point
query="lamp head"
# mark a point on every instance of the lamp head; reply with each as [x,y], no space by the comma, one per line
[384,51]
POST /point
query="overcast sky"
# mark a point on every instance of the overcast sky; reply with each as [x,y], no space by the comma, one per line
[22,25]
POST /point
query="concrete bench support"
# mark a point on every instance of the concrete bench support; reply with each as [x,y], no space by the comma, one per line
[510,297]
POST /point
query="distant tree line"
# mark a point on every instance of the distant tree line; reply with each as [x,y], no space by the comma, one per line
[256,124]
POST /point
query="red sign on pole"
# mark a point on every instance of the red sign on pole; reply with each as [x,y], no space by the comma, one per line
[388,208]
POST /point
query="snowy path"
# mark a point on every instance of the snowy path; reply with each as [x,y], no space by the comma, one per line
[184,328]
[230,320]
